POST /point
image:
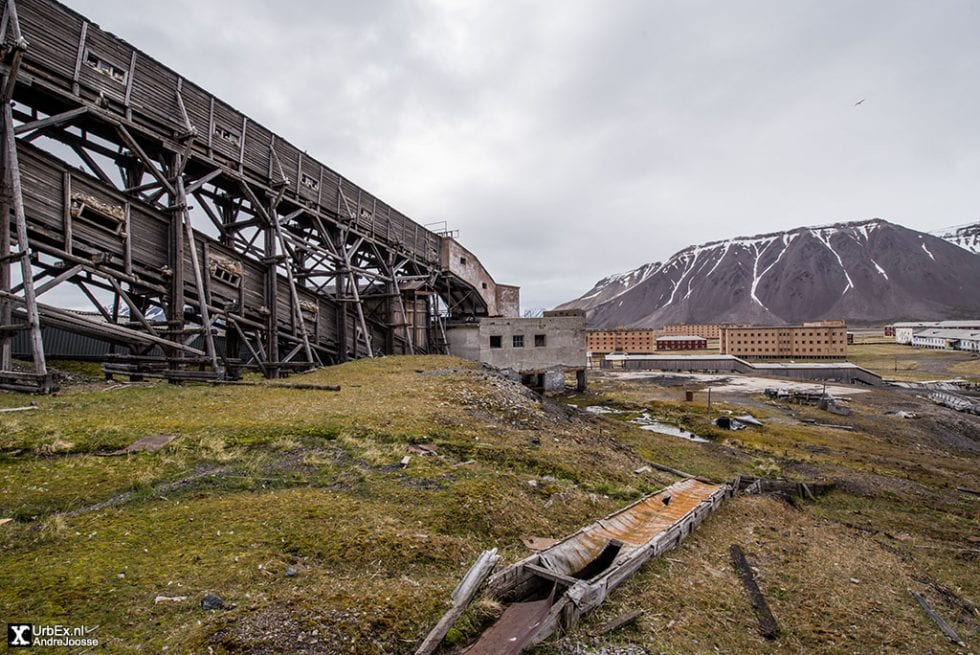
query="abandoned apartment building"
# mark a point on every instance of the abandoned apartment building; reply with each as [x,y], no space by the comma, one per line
[541,350]
[816,340]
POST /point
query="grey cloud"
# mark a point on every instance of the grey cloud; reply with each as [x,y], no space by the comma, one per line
[571,140]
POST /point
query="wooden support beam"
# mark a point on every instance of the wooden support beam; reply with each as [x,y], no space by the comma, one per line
[767,623]
[12,174]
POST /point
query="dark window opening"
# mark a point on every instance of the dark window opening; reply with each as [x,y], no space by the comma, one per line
[495,341]
[227,135]
[539,341]
[107,68]
[309,182]
[102,214]
[462,261]
[484,285]
[227,277]
[518,340]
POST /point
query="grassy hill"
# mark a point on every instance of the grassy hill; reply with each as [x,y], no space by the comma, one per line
[261,481]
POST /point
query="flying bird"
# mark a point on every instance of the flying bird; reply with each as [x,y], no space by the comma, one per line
[859,102]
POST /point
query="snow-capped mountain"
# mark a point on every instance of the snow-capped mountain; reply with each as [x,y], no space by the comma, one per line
[866,271]
[611,286]
[964,236]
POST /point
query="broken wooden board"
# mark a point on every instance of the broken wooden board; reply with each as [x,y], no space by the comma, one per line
[461,598]
[944,627]
[767,622]
[584,568]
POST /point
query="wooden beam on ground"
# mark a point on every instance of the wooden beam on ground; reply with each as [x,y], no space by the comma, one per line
[944,627]
[461,597]
[767,622]
[616,623]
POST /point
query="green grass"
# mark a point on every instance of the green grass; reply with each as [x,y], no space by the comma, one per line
[260,479]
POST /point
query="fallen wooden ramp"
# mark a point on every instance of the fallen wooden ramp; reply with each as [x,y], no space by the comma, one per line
[551,589]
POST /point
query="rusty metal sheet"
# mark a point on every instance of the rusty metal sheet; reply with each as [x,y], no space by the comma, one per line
[634,526]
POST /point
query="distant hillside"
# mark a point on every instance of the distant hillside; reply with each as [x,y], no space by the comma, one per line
[860,271]
[964,236]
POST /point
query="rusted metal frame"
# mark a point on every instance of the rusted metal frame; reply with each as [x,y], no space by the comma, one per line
[13,186]
[185,217]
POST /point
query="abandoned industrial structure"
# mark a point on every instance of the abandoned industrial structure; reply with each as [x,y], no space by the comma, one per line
[817,340]
[204,243]
[541,350]
[905,331]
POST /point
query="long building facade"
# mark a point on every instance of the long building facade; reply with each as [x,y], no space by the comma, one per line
[706,330]
[621,340]
[207,244]
[817,340]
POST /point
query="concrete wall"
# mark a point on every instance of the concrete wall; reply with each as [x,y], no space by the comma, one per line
[563,342]
[501,300]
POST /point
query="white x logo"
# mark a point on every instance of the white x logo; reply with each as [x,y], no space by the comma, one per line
[19,631]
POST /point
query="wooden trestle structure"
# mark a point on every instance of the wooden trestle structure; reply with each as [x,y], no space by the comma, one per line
[204,243]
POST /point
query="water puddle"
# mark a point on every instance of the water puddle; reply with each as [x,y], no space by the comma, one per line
[599,409]
[653,425]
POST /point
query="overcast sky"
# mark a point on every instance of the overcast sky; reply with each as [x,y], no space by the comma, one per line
[571,140]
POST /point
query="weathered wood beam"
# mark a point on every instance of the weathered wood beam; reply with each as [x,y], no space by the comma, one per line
[767,622]
[461,597]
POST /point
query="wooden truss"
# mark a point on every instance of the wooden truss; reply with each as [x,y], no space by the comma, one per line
[201,243]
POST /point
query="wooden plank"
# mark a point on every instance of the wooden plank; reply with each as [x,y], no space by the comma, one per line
[767,622]
[616,623]
[461,598]
[944,627]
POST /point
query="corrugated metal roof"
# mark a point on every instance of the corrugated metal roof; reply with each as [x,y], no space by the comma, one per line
[947,334]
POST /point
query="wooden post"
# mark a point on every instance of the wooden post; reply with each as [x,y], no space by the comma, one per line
[202,297]
[23,245]
[461,598]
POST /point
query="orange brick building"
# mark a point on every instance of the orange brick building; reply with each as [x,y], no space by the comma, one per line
[621,340]
[818,340]
[706,330]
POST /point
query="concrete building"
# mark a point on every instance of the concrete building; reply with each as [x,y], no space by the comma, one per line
[706,330]
[621,340]
[542,350]
[500,299]
[904,331]
[947,339]
[682,342]
[817,340]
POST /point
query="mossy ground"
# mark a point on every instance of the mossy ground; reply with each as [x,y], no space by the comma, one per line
[260,479]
